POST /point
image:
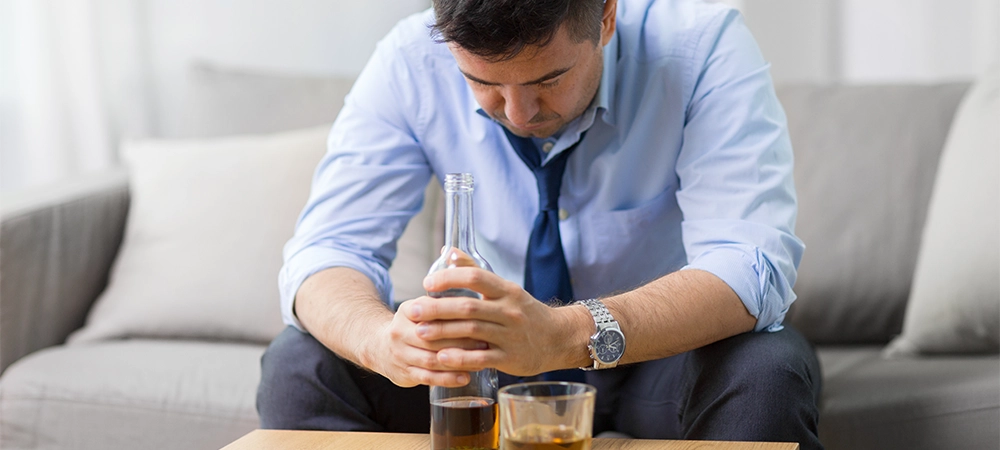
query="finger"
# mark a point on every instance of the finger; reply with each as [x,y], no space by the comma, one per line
[448,308]
[437,378]
[424,367]
[465,344]
[482,281]
[420,358]
[407,335]
[470,360]
[459,329]
[458,258]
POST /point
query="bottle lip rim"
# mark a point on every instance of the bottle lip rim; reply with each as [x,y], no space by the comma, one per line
[459,180]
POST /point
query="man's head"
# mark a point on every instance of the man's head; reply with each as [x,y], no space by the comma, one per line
[533,65]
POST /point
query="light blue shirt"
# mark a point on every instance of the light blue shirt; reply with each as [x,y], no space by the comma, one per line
[686,165]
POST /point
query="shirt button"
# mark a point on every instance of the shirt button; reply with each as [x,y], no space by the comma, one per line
[563,214]
[547,147]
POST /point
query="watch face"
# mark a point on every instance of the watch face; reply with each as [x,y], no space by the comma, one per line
[609,346]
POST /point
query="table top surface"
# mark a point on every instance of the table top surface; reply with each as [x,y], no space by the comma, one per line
[328,440]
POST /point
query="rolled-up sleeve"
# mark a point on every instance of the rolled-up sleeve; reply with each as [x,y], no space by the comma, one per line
[735,169]
[368,185]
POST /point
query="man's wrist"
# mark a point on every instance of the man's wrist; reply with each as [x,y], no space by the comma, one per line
[578,329]
[367,351]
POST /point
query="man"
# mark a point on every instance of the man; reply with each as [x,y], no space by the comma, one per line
[675,212]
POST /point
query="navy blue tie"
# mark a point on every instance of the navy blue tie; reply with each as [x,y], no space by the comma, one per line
[546,274]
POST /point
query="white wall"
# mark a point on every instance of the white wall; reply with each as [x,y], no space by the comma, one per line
[919,40]
[875,41]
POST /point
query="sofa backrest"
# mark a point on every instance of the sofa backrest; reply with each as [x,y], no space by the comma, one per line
[865,159]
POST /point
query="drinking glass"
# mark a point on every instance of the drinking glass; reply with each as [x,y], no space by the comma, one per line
[547,415]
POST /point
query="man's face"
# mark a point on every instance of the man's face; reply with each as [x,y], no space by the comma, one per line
[541,89]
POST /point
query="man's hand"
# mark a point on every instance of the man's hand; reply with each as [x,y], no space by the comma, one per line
[359,328]
[407,359]
[524,336]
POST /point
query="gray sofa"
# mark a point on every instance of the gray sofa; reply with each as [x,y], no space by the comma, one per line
[866,159]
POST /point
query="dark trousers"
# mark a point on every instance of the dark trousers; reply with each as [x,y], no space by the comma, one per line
[750,387]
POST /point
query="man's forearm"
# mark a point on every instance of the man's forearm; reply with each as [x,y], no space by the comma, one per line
[673,314]
[340,307]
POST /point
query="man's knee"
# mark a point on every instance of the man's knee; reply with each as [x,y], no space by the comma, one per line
[290,346]
[770,381]
[290,350]
[767,361]
[292,358]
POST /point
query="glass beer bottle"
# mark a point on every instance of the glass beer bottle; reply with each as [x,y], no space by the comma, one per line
[465,417]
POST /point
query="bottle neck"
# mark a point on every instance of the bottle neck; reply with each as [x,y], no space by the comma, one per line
[459,231]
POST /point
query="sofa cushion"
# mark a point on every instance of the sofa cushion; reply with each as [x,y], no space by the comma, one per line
[865,159]
[955,303]
[131,394]
[908,404]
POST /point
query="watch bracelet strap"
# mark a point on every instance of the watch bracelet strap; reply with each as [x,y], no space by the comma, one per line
[600,312]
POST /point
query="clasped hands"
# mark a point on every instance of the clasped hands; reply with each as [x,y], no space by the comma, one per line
[438,341]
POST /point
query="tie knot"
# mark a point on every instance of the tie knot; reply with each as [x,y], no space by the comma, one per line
[548,176]
[549,180]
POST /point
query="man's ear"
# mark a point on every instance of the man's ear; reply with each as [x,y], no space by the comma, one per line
[608,22]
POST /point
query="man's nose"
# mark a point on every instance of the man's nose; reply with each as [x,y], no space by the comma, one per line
[520,105]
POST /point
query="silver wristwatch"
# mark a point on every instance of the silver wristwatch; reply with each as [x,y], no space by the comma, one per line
[607,345]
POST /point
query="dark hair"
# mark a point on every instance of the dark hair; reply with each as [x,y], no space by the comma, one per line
[500,29]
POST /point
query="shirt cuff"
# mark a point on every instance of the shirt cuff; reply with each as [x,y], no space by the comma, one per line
[748,272]
[310,260]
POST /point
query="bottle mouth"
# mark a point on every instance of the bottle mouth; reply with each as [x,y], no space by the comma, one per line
[458,181]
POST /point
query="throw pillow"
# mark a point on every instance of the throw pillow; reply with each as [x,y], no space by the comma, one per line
[203,238]
[204,235]
[954,305]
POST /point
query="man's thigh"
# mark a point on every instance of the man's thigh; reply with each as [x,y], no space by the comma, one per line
[641,400]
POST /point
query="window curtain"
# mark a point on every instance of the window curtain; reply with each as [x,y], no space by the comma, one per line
[70,87]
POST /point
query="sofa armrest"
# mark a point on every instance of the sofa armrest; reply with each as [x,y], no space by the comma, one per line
[57,244]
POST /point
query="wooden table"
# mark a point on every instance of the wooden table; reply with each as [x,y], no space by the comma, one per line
[330,440]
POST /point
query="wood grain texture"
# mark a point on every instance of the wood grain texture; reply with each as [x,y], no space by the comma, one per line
[331,440]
